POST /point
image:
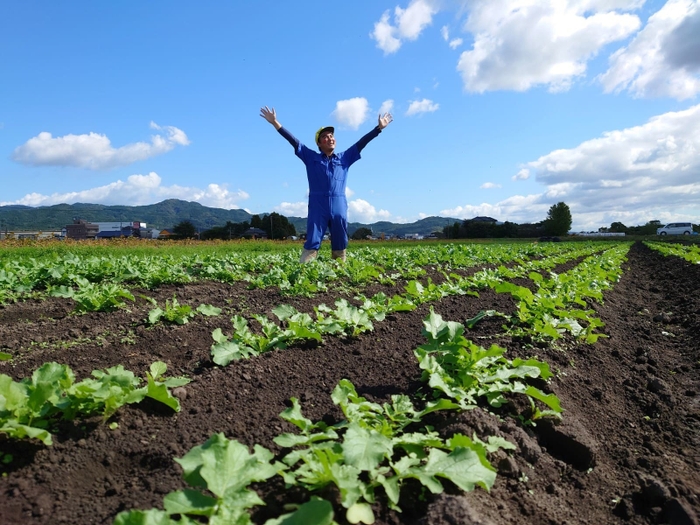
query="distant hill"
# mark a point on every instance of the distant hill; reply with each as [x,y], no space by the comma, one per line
[170,212]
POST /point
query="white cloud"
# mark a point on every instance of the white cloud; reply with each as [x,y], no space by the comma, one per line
[663,60]
[422,106]
[455,43]
[408,24]
[445,32]
[386,106]
[650,168]
[351,112]
[489,186]
[523,174]
[519,44]
[519,208]
[360,210]
[93,150]
[140,190]
[650,171]
[293,209]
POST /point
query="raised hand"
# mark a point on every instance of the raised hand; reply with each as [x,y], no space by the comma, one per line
[269,114]
[384,120]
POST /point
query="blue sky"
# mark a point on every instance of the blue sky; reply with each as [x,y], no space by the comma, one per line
[500,108]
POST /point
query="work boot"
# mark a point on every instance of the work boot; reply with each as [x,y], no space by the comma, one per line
[338,254]
[308,255]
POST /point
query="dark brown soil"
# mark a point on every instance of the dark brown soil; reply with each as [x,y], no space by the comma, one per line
[626,451]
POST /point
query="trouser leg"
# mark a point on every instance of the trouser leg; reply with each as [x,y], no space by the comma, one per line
[339,224]
[316,223]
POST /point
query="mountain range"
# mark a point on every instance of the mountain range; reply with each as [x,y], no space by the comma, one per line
[168,213]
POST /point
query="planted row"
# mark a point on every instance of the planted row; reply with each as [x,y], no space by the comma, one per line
[29,407]
[368,455]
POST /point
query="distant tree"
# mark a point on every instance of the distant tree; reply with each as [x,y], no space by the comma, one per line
[529,230]
[277,226]
[617,227]
[558,221]
[256,222]
[648,229]
[508,229]
[361,233]
[447,231]
[184,230]
[231,230]
[470,229]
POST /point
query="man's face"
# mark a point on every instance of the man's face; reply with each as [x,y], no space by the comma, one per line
[326,142]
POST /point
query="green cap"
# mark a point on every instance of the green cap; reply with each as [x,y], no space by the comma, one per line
[321,130]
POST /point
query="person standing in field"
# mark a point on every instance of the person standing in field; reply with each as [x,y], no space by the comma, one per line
[327,174]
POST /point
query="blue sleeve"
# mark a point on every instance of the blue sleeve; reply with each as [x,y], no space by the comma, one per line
[300,150]
[360,144]
[290,138]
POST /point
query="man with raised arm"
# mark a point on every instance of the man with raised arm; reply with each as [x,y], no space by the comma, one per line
[327,174]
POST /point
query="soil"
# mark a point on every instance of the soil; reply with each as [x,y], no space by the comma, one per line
[626,451]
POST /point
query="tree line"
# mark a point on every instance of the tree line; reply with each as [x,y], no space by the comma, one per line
[557,223]
[274,225]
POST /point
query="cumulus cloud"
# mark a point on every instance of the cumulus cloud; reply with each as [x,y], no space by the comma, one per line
[663,60]
[489,186]
[519,44]
[386,106]
[445,32]
[140,190]
[292,209]
[351,112]
[422,106]
[518,208]
[407,24]
[360,210]
[653,167]
[455,43]
[632,175]
[523,174]
[95,151]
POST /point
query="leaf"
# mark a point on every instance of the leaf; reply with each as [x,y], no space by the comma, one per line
[224,353]
[158,368]
[364,448]
[360,513]
[462,466]
[155,314]
[143,517]
[223,466]
[208,310]
[315,512]
[5,357]
[160,392]
[483,314]
[189,501]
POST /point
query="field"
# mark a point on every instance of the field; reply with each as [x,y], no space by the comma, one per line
[616,324]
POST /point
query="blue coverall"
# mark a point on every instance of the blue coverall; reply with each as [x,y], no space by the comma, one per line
[327,176]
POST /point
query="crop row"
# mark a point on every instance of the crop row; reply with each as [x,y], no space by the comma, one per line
[100,282]
[690,253]
[372,448]
[369,450]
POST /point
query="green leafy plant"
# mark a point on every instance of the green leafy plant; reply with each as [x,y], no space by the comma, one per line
[27,407]
[91,297]
[371,450]
[221,471]
[177,313]
[465,372]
